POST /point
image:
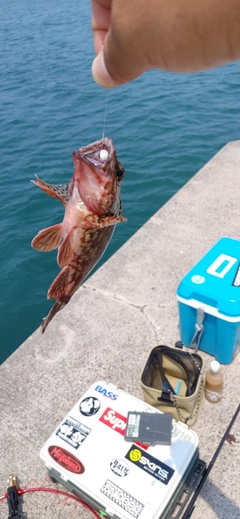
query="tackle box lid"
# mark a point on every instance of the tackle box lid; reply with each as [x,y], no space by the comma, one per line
[215,281]
[125,479]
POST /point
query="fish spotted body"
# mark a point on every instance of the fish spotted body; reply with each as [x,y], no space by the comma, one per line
[92,209]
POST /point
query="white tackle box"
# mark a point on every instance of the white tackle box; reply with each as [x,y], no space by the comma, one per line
[88,454]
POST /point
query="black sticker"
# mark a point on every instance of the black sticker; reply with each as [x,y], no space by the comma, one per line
[149,464]
[89,406]
[73,432]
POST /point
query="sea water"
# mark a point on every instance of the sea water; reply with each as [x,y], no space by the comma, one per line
[164,127]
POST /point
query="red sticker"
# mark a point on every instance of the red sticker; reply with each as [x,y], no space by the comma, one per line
[66,459]
[114,420]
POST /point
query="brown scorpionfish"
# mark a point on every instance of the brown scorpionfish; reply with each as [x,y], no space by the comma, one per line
[92,209]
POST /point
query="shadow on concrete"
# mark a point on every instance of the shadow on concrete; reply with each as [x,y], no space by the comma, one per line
[221,505]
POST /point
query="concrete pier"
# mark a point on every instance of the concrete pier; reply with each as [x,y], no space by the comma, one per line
[106,332]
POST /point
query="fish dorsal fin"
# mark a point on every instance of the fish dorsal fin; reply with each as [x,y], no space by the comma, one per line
[59,191]
[48,239]
[65,252]
[57,288]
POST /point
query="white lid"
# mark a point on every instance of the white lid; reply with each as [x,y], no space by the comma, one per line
[88,466]
[214,365]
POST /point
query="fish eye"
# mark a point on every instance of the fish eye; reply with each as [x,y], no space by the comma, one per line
[119,173]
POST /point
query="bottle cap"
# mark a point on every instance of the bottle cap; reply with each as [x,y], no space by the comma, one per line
[214,365]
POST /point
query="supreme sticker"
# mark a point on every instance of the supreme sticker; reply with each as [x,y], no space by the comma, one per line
[150,465]
[119,496]
[73,432]
[116,422]
[66,459]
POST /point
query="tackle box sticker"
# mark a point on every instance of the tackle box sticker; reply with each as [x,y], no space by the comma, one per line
[105,392]
[65,459]
[114,420]
[89,406]
[119,467]
[119,496]
[149,464]
[73,432]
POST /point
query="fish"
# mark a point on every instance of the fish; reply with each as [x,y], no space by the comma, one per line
[92,210]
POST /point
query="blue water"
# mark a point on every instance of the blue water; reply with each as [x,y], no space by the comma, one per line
[164,126]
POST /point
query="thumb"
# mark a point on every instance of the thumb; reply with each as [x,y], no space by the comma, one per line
[102,76]
[100,73]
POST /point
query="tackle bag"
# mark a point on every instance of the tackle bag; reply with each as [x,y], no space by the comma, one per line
[173,382]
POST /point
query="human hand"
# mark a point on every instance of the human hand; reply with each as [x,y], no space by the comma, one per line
[134,36]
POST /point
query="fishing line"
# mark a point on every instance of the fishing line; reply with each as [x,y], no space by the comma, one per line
[105,114]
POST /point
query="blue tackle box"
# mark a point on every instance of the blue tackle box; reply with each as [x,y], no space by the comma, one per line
[209,302]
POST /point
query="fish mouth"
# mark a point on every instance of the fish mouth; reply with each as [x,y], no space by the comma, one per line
[96,175]
[97,154]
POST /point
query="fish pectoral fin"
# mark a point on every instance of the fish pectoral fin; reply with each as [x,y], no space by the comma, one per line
[120,219]
[100,222]
[57,288]
[48,239]
[59,191]
[65,252]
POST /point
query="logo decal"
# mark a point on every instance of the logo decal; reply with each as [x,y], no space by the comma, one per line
[73,432]
[66,459]
[222,264]
[119,467]
[122,498]
[114,420]
[106,393]
[151,465]
[135,455]
[89,406]
[117,422]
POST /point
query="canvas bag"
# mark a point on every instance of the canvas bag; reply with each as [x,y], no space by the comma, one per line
[173,382]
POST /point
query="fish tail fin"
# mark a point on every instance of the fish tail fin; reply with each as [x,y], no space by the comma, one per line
[48,239]
[54,310]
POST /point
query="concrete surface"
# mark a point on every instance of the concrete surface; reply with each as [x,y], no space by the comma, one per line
[106,332]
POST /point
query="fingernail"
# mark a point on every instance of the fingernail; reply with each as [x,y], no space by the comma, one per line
[100,73]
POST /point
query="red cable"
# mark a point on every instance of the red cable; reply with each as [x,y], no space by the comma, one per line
[21,491]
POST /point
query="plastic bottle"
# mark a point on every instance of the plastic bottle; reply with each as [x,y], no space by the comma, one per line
[214,383]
